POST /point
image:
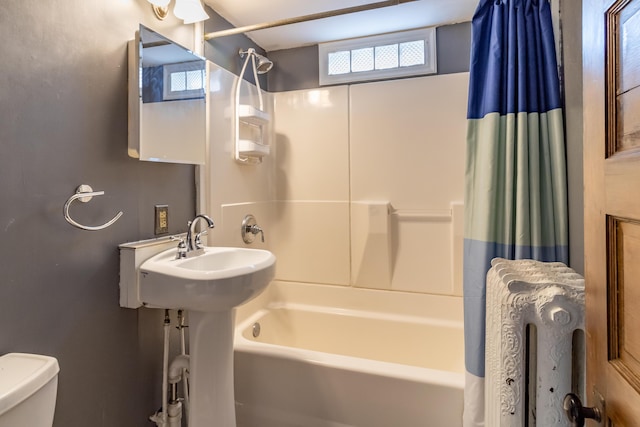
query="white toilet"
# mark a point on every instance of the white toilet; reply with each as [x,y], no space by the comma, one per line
[28,388]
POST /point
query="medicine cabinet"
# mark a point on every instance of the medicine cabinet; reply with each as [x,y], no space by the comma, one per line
[167,100]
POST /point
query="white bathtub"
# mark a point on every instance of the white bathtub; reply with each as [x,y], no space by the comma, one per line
[330,356]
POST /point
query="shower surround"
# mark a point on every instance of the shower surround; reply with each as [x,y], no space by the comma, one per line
[362,188]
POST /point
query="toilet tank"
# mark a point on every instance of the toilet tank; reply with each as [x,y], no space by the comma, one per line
[28,387]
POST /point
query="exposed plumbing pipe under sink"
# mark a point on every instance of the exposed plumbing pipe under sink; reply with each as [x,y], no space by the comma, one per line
[170,415]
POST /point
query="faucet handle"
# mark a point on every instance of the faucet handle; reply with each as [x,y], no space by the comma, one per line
[182,246]
[250,228]
[255,229]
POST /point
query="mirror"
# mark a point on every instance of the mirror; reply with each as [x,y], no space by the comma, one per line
[167,100]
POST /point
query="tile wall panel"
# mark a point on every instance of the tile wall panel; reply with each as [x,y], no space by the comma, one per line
[312,131]
[408,139]
[407,147]
[312,242]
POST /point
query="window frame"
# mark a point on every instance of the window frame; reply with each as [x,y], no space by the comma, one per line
[428,35]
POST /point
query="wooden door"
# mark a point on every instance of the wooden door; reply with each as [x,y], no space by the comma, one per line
[611,61]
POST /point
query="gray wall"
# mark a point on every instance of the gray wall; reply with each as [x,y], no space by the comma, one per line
[571,17]
[63,122]
[454,48]
[298,68]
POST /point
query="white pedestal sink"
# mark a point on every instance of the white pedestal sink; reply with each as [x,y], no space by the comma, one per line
[208,286]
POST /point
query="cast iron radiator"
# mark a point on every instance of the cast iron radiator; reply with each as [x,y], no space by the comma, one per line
[534,342]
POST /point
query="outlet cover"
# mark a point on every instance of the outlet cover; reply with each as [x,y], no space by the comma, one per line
[162,219]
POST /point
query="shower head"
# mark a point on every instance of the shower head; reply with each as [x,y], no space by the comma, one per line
[263,64]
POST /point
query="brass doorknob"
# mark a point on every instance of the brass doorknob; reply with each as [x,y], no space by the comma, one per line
[576,413]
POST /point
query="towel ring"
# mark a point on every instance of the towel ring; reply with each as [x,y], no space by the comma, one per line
[85,193]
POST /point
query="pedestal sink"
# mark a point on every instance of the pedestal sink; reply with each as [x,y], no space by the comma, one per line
[208,286]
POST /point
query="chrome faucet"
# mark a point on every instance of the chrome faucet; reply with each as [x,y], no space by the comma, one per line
[194,244]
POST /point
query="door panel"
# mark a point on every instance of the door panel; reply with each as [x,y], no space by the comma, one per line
[629,130]
[623,67]
[624,299]
[628,17]
[611,72]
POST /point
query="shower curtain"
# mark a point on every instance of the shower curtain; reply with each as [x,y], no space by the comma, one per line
[515,190]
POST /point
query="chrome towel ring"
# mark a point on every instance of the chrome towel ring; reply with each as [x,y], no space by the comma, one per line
[85,193]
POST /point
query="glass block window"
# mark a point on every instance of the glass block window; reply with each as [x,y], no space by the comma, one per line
[339,62]
[184,80]
[362,60]
[387,57]
[378,57]
[178,82]
[195,79]
[412,53]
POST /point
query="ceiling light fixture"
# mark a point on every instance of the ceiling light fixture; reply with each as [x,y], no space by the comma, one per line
[189,11]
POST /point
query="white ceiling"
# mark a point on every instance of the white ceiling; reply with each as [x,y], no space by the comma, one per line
[415,14]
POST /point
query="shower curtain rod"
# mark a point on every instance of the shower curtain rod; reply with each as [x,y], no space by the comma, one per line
[304,18]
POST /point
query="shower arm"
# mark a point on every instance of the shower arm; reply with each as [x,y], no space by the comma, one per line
[304,18]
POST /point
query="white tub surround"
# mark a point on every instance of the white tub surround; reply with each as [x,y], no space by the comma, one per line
[360,201]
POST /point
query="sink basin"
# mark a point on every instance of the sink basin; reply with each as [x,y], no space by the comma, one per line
[218,279]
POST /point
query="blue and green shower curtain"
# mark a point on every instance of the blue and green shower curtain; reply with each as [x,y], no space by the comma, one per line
[515,194]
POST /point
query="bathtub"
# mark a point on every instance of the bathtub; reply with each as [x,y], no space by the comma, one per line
[330,356]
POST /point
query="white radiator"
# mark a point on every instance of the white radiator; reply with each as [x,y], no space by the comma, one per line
[534,342]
